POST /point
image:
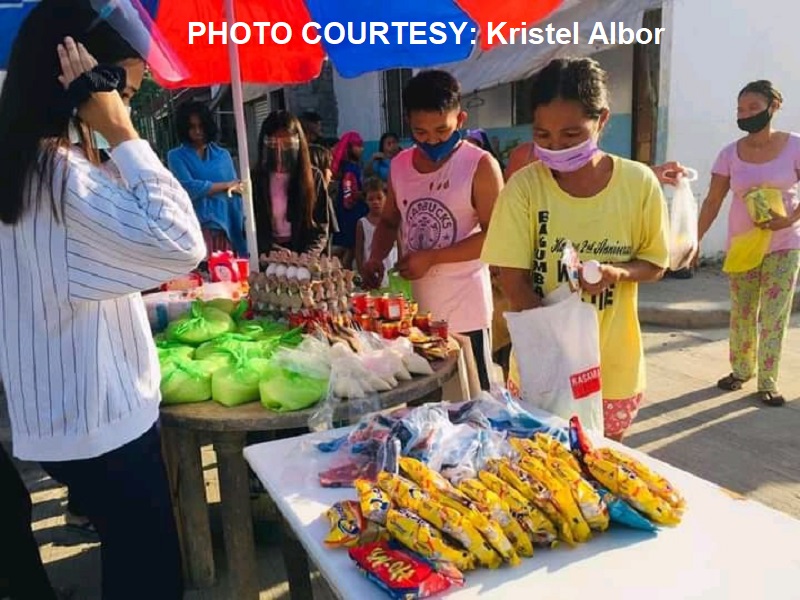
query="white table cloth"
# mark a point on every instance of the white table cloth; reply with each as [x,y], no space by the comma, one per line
[725,548]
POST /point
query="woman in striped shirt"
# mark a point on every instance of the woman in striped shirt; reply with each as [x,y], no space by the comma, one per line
[79,240]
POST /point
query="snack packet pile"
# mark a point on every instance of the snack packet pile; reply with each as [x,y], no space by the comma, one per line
[414,532]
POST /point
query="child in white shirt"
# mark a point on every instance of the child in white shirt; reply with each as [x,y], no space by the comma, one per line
[375,193]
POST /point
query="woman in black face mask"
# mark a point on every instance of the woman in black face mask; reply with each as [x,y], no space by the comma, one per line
[289,195]
[762,169]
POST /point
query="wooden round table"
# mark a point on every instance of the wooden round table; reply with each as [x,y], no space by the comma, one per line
[186,427]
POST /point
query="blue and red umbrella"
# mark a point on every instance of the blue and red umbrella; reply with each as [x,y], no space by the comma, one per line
[160,31]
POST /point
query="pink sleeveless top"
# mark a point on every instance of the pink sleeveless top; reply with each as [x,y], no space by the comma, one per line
[437,212]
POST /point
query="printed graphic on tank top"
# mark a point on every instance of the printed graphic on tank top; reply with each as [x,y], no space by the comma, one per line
[437,212]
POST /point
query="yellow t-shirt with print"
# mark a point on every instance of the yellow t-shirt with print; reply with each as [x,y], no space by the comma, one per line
[534,218]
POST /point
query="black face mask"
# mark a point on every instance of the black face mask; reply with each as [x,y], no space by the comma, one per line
[755,123]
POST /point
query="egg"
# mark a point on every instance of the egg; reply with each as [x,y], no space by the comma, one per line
[291,272]
[271,269]
[303,274]
[280,271]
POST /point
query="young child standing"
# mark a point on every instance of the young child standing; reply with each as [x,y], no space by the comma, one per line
[441,195]
[375,190]
[350,206]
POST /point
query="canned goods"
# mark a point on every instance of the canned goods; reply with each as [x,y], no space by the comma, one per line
[395,307]
[422,321]
[390,330]
[358,301]
[405,326]
[439,329]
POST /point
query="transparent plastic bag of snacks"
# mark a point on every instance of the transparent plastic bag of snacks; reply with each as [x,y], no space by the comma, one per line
[343,387]
[683,223]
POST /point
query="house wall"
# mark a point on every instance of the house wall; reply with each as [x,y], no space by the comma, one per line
[718,46]
[360,104]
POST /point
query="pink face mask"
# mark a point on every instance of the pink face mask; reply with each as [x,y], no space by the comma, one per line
[569,159]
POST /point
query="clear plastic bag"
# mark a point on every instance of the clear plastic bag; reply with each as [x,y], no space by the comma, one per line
[683,223]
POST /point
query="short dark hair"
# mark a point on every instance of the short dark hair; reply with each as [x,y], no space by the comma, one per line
[763,87]
[311,116]
[374,184]
[184,114]
[387,136]
[432,91]
[579,79]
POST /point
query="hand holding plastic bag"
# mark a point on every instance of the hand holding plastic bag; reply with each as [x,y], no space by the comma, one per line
[683,240]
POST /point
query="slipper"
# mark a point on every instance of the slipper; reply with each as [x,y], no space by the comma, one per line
[771,398]
[731,383]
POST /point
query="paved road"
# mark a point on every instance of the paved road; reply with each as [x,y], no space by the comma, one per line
[724,437]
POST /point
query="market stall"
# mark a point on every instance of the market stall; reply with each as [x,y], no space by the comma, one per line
[703,555]
[296,346]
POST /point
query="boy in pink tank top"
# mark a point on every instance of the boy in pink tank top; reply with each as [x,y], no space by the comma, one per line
[441,195]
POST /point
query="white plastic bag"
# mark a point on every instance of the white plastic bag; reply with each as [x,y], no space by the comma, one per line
[557,349]
[683,223]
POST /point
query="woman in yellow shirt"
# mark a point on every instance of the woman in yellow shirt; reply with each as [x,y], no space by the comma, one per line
[610,208]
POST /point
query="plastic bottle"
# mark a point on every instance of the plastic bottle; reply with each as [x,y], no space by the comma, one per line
[591,272]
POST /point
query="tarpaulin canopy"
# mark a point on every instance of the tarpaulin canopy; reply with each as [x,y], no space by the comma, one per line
[509,63]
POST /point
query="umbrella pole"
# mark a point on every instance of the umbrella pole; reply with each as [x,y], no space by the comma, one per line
[241,141]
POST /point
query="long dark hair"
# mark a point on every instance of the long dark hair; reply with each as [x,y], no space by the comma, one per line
[302,193]
[32,115]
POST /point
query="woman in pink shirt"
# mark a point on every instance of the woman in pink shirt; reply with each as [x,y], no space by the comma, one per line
[290,198]
[761,298]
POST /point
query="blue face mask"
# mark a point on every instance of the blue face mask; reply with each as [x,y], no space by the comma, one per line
[437,152]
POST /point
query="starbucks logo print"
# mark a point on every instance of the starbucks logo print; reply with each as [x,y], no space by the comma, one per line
[430,225]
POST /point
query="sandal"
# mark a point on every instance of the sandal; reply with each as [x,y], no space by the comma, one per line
[731,383]
[771,398]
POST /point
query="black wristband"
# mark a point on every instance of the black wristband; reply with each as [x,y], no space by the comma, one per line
[103,78]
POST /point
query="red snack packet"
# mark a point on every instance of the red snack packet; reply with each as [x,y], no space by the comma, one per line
[402,574]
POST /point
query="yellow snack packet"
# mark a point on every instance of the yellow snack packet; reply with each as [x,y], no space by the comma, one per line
[591,504]
[555,448]
[499,511]
[535,492]
[400,490]
[561,497]
[525,447]
[349,528]
[434,483]
[534,522]
[657,484]
[421,537]
[460,528]
[374,502]
[626,484]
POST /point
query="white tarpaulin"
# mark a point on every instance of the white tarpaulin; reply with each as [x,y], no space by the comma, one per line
[512,62]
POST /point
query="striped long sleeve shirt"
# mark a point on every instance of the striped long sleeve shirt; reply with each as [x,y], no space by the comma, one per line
[77,359]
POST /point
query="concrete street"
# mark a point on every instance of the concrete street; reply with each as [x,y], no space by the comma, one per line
[726,438]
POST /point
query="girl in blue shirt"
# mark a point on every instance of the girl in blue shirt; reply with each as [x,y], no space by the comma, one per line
[206,171]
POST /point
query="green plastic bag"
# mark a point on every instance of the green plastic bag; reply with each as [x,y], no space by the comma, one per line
[185,381]
[261,329]
[228,343]
[203,323]
[170,350]
[237,383]
[231,307]
[291,385]
[398,285]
